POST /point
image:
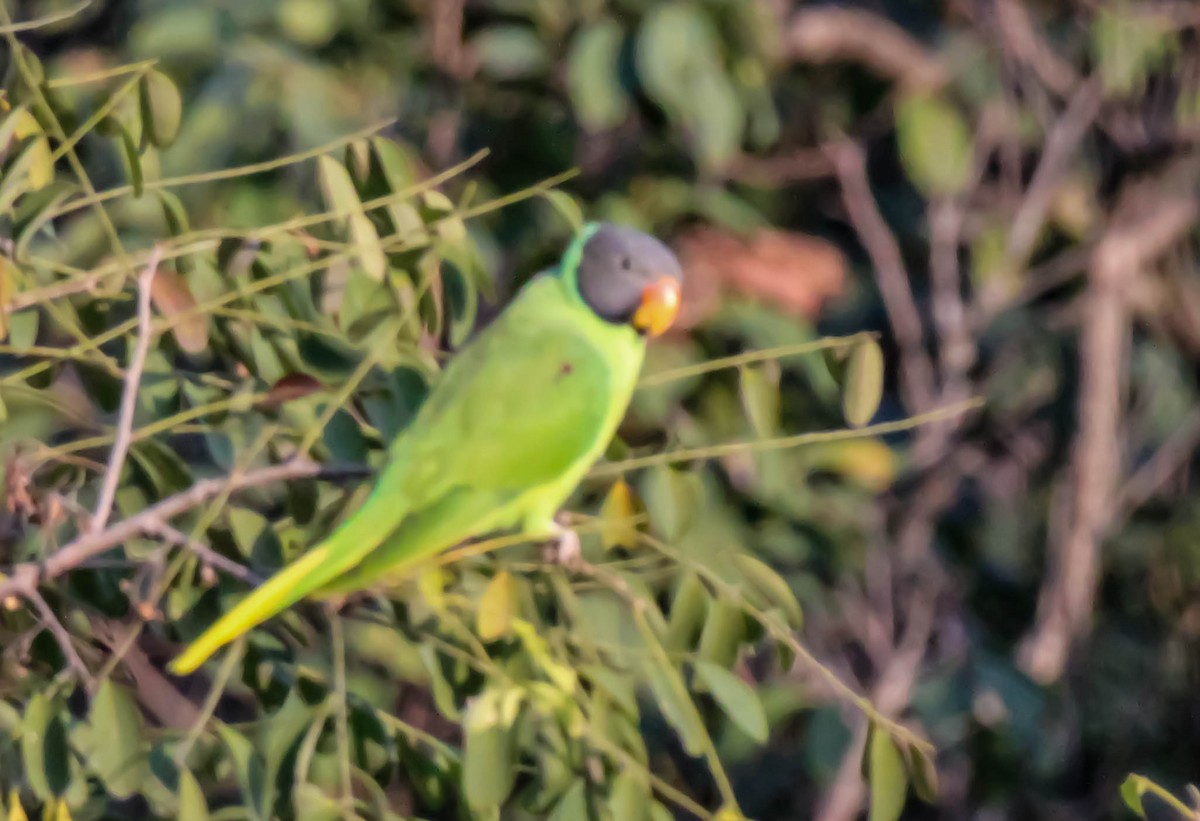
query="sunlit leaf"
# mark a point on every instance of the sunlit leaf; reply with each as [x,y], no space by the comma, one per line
[885,773]
[161,108]
[618,527]
[935,144]
[863,386]
[192,806]
[496,608]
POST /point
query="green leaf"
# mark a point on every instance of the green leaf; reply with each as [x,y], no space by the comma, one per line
[935,144]
[862,390]
[629,798]
[771,586]
[760,397]
[888,782]
[922,773]
[736,698]
[617,685]
[1132,789]
[23,328]
[510,52]
[131,160]
[593,75]
[568,207]
[672,498]
[44,751]
[497,607]
[723,632]
[246,763]
[192,806]
[367,244]
[488,767]
[118,756]
[161,108]
[173,212]
[573,805]
[689,606]
[1127,44]
[337,189]
[671,693]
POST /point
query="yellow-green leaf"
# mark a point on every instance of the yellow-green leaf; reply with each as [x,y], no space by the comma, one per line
[1132,789]
[617,517]
[689,606]
[568,207]
[760,397]
[15,811]
[368,246]
[44,750]
[497,607]
[863,388]
[593,75]
[117,731]
[935,144]
[192,806]
[670,692]
[885,772]
[41,166]
[488,769]
[337,189]
[736,698]
[161,108]
[771,586]
[629,799]
[723,632]
[132,162]
[922,773]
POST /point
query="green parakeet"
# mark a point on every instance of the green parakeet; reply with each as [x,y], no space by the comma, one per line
[510,428]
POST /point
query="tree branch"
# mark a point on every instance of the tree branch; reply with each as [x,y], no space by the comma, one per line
[133,379]
[25,577]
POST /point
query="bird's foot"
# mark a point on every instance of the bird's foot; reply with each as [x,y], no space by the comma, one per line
[564,547]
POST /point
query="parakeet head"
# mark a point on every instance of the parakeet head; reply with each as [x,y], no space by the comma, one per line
[625,276]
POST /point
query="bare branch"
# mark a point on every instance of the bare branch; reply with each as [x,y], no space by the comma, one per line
[918,386]
[1146,225]
[133,380]
[26,576]
[1061,143]
[826,33]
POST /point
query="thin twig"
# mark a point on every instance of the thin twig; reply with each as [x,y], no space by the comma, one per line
[129,396]
[204,552]
[1060,147]
[51,623]
[342,712]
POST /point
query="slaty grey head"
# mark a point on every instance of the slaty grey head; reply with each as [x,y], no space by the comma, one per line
[626,276]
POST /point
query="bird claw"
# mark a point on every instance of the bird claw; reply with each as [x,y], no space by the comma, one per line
[564,549]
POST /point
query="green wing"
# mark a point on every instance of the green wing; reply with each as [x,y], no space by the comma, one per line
[516,410]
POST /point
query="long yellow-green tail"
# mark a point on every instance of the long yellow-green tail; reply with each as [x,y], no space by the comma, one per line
[353,541]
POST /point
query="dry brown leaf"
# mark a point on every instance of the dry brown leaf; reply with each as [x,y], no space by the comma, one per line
[797,273]
[173,299]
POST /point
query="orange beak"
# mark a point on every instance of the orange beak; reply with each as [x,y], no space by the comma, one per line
[659,306]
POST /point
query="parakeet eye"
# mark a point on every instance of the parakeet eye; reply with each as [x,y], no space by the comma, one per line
[620,269]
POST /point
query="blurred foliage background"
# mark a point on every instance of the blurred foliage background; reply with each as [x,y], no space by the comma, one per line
[1005,192]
